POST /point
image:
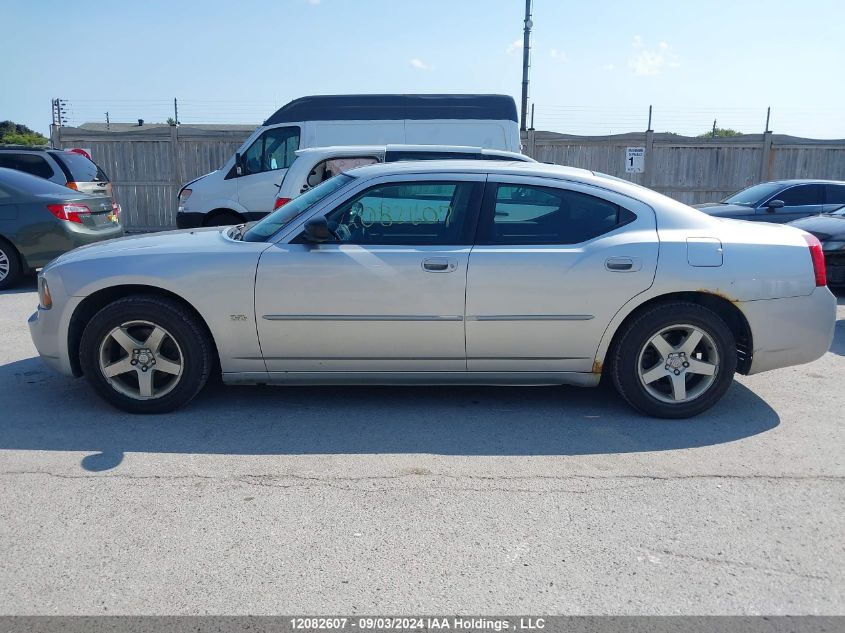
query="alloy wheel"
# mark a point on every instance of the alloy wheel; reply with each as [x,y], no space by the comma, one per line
[141,360]
[678,364]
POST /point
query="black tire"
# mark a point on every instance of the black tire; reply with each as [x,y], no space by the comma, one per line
[192,344]
[625,359]
[10,265]
[223,219]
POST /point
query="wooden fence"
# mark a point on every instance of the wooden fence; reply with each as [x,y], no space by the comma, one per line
[695,170]
[149,164]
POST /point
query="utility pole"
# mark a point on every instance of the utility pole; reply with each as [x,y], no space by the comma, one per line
[649,120]
[768,114]
[175,111]
[108,124]
[526,52]
[714,128]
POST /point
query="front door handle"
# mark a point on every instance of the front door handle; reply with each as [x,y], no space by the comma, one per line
[623,264]
[439,264]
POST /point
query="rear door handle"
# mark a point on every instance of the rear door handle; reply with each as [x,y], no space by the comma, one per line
[623,264]
[439,264]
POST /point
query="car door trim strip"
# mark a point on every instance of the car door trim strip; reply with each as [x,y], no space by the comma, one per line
[361,317]
[531,317]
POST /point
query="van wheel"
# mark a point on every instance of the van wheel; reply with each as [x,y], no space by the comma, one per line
[146,354]
[224,219]
[675,360]
[10,265]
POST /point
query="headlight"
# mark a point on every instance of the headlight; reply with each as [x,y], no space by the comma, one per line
[833,246]
[45,301]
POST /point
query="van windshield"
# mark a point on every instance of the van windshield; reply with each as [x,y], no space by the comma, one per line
[293,209]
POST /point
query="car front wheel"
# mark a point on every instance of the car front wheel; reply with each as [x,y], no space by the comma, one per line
[675,360]
[10,266]
[146,354]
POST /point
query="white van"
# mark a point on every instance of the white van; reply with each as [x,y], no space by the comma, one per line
[245,187]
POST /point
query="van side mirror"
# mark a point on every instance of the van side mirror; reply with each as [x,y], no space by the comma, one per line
[775,204]
[317,230]
[239,164]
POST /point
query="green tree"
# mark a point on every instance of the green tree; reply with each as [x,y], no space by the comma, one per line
[18,134]
[721,132]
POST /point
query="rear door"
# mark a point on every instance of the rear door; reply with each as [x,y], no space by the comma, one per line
[553,263]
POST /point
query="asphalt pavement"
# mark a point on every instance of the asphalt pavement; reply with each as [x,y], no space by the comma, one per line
[417,500]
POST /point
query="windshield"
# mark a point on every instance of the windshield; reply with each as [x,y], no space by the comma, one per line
[754,195]
[276,220]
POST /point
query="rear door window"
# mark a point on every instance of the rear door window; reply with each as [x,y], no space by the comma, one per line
[80,169]
[527,214]
[27,163]
[834,194]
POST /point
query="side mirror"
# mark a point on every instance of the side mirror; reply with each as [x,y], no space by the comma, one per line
[775,204]
[317,230]
[239,164]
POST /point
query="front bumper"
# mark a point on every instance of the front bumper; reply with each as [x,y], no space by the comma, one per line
[790,331]
[49,328]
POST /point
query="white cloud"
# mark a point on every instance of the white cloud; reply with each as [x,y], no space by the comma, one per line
[559,55]
[514,46]
[608,67]
[419,64]
[652,61]
[314,2]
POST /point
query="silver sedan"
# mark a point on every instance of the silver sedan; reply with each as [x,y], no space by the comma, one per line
[470,272]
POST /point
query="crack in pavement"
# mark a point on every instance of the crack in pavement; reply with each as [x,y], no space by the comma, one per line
[742,565]
[347,482]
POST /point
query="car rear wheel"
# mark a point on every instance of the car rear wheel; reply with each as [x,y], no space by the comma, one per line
[146,354]
[10,265]
[675,360]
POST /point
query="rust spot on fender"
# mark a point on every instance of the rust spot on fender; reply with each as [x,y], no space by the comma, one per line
[718,294]
[597,367]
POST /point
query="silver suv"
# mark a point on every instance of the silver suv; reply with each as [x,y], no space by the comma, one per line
[60,166]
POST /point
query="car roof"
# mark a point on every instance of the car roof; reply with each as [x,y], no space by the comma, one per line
[370,107]
[805,181]
[508,167]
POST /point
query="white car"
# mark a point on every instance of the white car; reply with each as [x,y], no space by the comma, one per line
[316,164]
[444,272]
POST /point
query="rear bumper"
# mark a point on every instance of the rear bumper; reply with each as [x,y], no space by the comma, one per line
[790,331]
[835,264]
[64,237]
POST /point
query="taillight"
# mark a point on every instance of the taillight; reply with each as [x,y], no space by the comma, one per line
[115,210]
[69,212]
[184,194]
[280,202]
[817,255]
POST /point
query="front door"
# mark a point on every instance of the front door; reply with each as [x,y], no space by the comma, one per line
[552,266]
[265,163]
[387,295]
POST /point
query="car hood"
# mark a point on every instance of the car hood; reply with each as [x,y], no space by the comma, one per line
[165,242]
[824,227]
[724,210]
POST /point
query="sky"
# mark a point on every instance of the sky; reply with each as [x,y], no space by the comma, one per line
[596,66]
